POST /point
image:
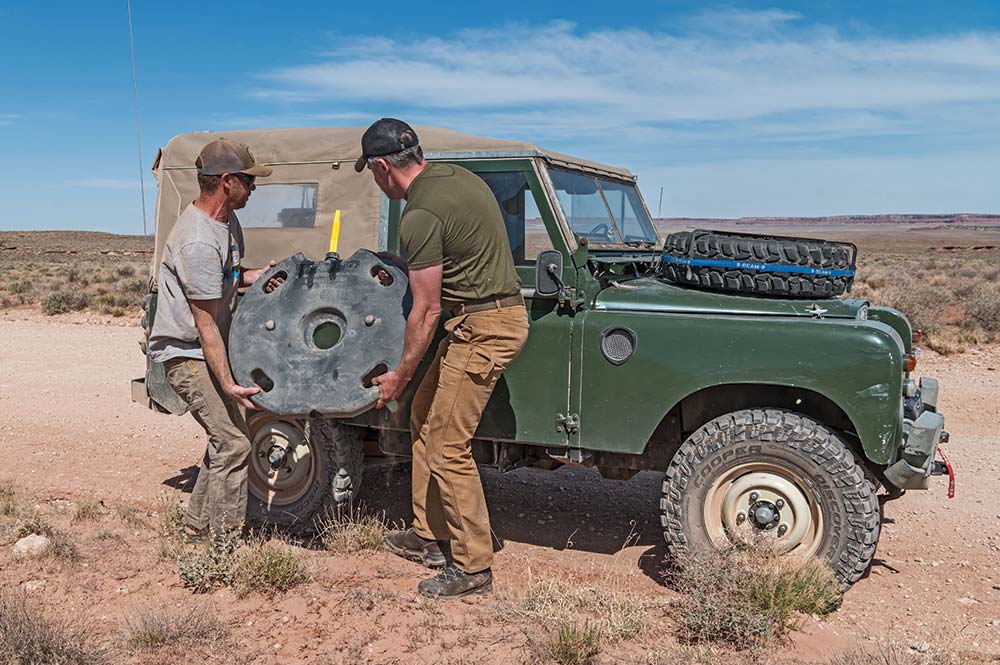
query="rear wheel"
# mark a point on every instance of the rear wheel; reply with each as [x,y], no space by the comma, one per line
[300,471]
[776,474]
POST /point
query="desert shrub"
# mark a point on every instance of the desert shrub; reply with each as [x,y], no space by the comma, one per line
[574,645]
[354,531]
[920,302]
[20,287]
[744,596]
[28,635]
[61,544]
[60,302]
[130,291]
[152,626]
[127,270]
[268,570]
[211,565]
[984,307]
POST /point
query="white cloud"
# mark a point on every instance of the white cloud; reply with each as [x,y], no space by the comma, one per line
[722,88]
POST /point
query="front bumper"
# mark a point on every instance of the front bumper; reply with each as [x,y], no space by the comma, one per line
[923,432]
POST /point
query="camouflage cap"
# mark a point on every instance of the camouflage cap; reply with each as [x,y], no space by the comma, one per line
[228,156]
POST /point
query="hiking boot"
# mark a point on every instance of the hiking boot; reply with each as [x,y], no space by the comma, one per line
[455,583]
[409,545]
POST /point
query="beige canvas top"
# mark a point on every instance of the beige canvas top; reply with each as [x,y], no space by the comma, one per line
[324,156]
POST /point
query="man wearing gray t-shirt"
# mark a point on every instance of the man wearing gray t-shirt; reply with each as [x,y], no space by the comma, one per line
[200,273]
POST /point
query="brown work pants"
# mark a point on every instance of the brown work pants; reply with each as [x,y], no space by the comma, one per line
[219,498]
[448,500]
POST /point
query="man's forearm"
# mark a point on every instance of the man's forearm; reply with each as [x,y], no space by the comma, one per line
[420,327]
[215,353]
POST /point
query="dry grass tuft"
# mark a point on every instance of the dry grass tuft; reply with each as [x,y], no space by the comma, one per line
[894,653]
[153,626]
[744,596]
[574,645]
[9,506]
[268,570]
[27,635]
[130,515]
[357,530]
[88,511]
[169,528]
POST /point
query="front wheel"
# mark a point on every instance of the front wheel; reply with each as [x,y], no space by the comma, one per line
[777,474]
[301,471]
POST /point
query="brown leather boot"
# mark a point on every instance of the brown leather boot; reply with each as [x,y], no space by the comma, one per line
[409,545]
[453,582]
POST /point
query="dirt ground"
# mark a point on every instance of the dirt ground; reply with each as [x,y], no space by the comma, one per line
[69,433]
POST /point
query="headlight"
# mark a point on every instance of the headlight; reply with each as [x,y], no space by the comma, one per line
[863,313]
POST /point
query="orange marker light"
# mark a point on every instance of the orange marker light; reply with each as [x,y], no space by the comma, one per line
[917,336]
[911,362]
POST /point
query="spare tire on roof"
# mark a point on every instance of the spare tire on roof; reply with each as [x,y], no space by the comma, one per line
[763,265]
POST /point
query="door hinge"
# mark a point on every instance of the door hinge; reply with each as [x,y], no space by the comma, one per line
[569,424]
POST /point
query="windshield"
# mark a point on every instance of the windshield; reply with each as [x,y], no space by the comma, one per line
[602,210]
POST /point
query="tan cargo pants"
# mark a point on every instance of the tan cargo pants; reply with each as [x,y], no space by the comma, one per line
[219,498]
[448,500]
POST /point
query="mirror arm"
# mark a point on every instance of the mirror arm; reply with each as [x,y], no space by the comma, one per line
[565,294]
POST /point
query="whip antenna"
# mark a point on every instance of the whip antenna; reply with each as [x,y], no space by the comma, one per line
[138,130]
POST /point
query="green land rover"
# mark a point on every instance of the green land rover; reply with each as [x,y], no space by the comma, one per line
[781,412]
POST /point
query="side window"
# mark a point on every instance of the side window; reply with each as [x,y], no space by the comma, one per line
[277,206]
[525,229]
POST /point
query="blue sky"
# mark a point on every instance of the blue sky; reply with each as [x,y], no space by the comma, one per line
[741,109]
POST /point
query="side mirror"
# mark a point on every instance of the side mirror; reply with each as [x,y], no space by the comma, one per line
[548,273]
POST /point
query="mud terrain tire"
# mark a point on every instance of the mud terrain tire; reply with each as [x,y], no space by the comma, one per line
[335,479]
[761,451]
[747,249]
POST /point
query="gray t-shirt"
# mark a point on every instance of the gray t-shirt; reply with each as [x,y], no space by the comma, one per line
[201,261]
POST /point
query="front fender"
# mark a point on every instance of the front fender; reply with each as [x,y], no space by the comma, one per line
[858,365]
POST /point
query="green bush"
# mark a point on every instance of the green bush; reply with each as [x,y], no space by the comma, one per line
[60,302]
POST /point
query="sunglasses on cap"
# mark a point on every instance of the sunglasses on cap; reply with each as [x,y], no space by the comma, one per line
[248,180]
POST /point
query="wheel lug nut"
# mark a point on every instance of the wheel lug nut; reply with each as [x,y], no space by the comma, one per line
[740,518]
[779,503]
[782,529]
[753,497]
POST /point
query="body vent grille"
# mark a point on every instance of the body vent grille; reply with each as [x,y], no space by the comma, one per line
[618,345]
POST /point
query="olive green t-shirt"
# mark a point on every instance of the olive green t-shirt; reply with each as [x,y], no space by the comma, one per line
[452,219]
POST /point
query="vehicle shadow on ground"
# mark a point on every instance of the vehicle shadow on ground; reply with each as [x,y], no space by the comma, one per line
[570,508]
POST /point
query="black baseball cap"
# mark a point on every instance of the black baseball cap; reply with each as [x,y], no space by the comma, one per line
[385,137]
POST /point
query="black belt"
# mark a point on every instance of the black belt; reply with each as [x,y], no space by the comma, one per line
[496,302]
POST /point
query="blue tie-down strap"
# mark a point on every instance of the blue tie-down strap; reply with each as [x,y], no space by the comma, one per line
[750,265]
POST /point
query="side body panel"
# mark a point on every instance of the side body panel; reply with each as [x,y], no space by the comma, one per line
[855,364]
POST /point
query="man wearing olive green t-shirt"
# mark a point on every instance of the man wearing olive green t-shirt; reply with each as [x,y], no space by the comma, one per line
[459,258]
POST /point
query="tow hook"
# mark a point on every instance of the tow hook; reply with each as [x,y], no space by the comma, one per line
[942,467]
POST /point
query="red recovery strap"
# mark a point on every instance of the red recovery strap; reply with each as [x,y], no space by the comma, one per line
[951,473]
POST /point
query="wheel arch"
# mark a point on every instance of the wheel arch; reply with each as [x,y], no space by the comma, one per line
[705,404]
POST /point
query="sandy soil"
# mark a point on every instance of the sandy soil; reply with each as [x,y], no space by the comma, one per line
[69,433]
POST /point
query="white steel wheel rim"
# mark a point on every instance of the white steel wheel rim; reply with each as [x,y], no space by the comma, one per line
[799,528]
[287,482]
